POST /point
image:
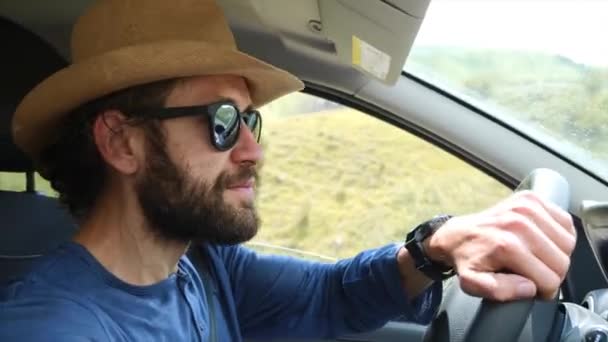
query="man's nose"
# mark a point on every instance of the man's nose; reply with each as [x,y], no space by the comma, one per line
[247,149]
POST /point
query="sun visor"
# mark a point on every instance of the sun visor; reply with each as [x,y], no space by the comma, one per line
[373,36]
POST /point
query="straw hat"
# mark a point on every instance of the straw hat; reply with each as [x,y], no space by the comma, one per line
[118,44]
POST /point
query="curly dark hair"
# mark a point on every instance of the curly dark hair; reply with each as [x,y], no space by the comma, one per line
[73,164]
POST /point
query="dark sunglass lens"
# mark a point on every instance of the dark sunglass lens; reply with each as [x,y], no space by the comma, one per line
[254,122]
[225,124]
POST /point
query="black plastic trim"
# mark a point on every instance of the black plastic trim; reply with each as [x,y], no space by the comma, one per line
[30,181]
[558,324]
[585,273]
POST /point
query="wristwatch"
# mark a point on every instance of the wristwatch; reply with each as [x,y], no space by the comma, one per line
[414,244]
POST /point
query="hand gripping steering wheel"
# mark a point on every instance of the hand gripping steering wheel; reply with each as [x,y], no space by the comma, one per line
[463,318]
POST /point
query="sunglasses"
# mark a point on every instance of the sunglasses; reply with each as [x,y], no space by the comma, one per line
[224,120]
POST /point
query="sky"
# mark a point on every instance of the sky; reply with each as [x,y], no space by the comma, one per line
[577,29]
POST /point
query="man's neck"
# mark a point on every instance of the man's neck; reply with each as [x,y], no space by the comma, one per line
[118,236]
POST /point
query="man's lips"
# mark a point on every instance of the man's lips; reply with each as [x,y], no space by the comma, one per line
[243,189]
[249,184]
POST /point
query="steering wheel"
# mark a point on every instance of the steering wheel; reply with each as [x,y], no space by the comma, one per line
[462,317]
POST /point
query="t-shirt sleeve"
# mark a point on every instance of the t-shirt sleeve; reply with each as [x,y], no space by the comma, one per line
[282,296]
[48,319]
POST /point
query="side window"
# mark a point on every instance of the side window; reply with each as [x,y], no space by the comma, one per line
[336,181]
[10,181]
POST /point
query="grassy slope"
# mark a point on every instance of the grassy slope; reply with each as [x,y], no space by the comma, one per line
[339,181]
[551,93]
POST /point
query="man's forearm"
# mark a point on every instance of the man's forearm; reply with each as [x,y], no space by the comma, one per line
[319,300]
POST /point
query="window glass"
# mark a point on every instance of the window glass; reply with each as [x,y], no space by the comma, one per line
[336,181]
[539,66]
[12,181]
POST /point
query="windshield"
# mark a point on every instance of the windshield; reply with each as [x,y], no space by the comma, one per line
[540,66]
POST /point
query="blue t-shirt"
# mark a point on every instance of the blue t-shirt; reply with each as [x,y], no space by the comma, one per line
[70,296]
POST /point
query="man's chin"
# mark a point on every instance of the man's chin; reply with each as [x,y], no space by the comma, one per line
[240,198]
[230,239]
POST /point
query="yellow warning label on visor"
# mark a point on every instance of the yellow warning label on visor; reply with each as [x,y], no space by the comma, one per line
[370,59]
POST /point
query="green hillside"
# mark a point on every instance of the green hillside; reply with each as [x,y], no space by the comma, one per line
[553,93]
[339,181]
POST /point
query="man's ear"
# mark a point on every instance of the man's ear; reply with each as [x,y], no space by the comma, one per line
[120,145]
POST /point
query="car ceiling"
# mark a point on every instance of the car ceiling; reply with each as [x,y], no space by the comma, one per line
[263,28]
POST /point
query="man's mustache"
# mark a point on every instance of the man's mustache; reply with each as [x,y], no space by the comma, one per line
[243,175]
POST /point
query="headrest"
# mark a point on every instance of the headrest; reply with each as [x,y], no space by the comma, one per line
[25,60]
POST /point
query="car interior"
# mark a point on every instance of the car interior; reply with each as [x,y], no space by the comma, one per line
[42,223]
[314,39]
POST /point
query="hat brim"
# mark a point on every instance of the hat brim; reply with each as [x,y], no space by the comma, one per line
[39,117]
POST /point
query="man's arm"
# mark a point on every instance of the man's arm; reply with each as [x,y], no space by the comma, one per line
[524,234]
[280,296]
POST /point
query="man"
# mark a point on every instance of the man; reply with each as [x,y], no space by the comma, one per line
[151,139]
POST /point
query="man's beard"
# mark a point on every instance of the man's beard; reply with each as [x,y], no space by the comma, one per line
[179,208]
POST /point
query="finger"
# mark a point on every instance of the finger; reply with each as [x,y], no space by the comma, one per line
[537,242]
[562,217]
[497,286]
[511,254]
[534,209]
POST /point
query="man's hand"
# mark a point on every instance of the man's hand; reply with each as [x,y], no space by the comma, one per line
[517,249]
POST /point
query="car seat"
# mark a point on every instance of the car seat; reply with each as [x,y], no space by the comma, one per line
[31,224]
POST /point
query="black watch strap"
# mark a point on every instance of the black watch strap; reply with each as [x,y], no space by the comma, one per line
[414,244]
